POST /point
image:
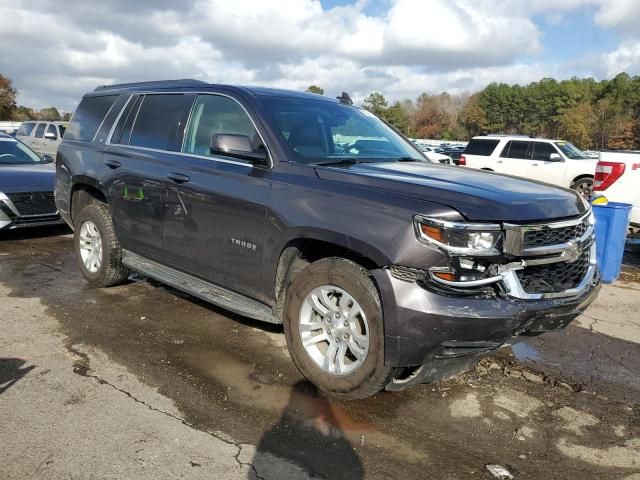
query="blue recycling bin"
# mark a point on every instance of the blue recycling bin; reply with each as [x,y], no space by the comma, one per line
[612,221]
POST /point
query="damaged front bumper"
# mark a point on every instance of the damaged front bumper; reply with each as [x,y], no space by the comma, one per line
[435,336]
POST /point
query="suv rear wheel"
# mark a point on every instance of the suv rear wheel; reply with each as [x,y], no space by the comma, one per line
[334,328]
[96,246]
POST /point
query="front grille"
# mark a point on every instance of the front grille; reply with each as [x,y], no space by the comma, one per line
[554,236]
[554,277]
[36,203]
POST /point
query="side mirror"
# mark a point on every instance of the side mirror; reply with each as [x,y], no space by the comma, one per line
[50,136]
[555,157]
[238,146]
[48,159]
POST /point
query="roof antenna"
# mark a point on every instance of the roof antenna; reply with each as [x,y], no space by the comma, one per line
[345,99]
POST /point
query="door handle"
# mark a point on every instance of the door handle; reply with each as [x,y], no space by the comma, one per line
[534,164]
[499,161]
[112,163]
[178,177]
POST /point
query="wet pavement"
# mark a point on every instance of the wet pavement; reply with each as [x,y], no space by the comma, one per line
[564,405]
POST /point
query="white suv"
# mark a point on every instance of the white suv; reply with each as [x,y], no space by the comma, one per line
[551,161]
[42,137]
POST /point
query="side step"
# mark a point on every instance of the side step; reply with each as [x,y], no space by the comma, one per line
[202,289]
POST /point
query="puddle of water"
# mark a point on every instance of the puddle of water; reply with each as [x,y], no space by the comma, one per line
[526,352]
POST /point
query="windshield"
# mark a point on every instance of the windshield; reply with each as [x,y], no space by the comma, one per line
[324,132]
[16,153]
[571,151]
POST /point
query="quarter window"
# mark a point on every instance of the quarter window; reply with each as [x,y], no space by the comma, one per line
[481,147]
[40,130]
[215,114]
[516,149]
[542,150]
[157,121]
[88,117]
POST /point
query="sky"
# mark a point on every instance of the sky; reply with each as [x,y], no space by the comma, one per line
[55,51]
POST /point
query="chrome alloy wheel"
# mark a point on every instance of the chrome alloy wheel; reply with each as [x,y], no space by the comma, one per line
[90,246]
[334,330]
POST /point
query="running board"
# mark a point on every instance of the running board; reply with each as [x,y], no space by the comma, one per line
[202,289]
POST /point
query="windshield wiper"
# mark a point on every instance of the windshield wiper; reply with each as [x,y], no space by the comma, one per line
[341,161]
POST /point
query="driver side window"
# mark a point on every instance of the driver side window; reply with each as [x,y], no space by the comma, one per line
[215,114]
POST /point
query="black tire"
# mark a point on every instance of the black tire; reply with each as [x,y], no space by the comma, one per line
[111,271]
[370,377]
[584,186]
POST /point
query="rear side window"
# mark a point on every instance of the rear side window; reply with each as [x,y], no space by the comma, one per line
[157,120]
[483,147]
[40,130]
[516,149]
[62,128]
[26,129]
[88,117]
[542,150]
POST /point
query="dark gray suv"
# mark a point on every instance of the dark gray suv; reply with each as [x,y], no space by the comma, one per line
[298,209]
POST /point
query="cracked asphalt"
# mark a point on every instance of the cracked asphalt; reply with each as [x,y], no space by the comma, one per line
[142,381]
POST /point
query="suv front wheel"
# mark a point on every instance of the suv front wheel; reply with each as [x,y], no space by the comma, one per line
[96,246]
[334,328]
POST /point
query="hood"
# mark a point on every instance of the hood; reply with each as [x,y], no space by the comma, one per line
[14,177]
[478,195]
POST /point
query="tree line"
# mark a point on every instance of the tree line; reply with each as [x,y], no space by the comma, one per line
[591,114]
[9,110]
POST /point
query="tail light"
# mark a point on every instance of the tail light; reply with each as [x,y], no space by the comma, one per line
[606,174]
[462,160]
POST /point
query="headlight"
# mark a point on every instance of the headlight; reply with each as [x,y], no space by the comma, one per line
[460,238]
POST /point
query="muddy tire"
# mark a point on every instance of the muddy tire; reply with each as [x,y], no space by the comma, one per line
[96,247]
[334,328]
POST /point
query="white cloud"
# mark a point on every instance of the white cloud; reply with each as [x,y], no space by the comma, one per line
[626,58]
[54,53]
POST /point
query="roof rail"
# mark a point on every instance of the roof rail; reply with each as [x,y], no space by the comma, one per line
[507,135]
[184,82]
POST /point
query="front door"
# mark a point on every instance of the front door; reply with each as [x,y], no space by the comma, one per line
[50,141]
[216,205]
[542,168]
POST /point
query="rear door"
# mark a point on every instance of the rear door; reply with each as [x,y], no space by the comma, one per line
[542,168]
[216,205]
[514,158]
[143,141]
[38,135]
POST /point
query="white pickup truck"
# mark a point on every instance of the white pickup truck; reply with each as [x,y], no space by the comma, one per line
[618,178]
